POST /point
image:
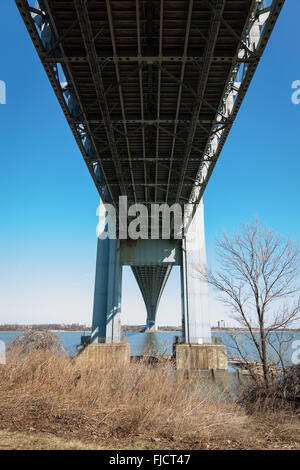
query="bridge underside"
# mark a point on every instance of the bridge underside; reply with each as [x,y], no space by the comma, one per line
[150,89]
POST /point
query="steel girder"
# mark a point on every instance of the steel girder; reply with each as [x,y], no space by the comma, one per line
[151,281]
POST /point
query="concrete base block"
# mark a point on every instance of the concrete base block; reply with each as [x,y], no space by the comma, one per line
[204,377]
[106,355]
[202,365]
[201,357]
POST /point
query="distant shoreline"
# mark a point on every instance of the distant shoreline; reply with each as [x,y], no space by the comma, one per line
[52,331]
[125,329]
[245,330]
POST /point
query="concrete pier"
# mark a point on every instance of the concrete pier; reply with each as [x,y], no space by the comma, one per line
[194,290]
[202,363]
[201,357]
[106,356]
[151,261]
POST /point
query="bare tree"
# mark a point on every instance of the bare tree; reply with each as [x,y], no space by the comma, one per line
[257,280]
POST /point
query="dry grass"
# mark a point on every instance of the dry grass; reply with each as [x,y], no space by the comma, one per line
[138,407]
[40,441]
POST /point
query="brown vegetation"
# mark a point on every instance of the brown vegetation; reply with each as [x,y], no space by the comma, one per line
[45,391]
[283,393]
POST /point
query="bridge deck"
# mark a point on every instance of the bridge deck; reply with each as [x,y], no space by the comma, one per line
[150,88]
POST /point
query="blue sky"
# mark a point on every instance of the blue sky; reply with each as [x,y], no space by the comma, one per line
[48,201]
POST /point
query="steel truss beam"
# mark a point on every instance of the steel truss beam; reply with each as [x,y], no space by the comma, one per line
[181,84]
[87,35]
[25,11]
[203,78]
[150,60]
[150,122]
[274,11]
[112,35]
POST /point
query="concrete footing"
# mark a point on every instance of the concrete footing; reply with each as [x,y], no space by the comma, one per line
[106,355]
[201,356]
[202,362]
[203,378]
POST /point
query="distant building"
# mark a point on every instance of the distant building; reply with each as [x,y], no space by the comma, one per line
[221,324]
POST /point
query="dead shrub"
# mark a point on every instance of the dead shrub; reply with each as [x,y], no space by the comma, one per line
[32,341]
[283,393]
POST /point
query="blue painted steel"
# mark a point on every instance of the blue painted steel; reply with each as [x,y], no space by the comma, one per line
[151,281]
[151,262]
[151,252]
[106,325]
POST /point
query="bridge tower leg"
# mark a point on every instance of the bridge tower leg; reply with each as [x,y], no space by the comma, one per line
[194,292]
[106,325]
[199,356]
[151,262]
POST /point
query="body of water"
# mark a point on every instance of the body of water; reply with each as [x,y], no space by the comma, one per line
[160,343]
